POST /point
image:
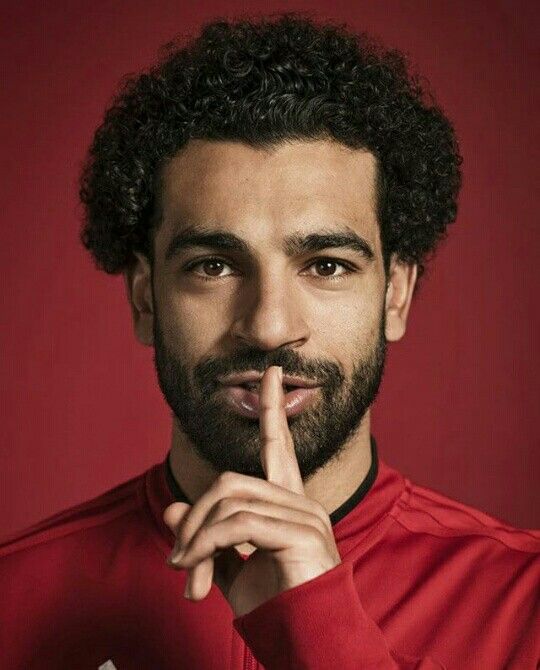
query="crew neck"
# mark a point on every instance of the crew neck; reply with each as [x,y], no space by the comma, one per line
[336,516]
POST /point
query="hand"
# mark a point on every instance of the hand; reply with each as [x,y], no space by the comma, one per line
[292,533]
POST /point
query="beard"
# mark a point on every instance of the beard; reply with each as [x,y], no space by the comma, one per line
[230,442]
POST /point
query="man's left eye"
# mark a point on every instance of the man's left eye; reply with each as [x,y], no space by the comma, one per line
[326,267]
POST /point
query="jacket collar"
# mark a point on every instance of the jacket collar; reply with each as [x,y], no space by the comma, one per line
[364,511]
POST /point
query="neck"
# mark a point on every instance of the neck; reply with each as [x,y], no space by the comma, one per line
[331,486]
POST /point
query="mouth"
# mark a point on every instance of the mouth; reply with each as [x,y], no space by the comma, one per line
[254,387]
[251,379]
[243,398]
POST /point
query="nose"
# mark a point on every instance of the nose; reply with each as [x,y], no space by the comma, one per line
[270,314]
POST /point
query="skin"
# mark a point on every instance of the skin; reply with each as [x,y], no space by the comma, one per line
[282,523]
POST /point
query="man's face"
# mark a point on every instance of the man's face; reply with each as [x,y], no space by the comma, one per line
[268,257]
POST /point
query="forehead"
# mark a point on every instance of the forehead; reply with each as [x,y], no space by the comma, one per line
[265,193]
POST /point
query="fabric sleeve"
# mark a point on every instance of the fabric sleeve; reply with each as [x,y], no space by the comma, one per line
[321,624]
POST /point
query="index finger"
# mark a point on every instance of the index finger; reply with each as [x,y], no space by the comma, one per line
[277,447]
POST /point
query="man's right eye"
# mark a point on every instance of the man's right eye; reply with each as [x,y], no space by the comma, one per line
[209,268]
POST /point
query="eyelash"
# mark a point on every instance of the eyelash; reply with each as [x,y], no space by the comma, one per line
[348,267]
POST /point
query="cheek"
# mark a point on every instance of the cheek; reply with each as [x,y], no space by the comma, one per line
[345,327]
[193,324]
[346,317]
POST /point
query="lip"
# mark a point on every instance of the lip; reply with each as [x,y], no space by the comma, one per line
[246,403]
[253,376]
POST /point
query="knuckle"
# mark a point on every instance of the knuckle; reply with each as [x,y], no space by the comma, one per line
[245,518]
[224,479]
[322,527]
[228,482]
[226,507]
[273,439]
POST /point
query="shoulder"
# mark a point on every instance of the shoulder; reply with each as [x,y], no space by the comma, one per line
[469,555]
[426,511]
[112,505]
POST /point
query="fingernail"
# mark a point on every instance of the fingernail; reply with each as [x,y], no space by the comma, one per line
[176,555]
[187,592]
[280,374]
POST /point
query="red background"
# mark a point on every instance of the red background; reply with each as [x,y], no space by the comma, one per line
[83,411]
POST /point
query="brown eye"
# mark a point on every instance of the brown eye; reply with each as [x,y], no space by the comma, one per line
[329,268]
[326,268]
[213,267]
[210,268]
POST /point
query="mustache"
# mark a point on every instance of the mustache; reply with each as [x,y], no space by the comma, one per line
[322,371]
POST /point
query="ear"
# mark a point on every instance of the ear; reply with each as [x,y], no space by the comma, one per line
[138,281]
[399,291]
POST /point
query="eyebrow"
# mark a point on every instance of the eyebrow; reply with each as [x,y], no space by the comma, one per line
[294,244]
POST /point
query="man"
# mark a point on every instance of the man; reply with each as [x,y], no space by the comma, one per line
[270,192]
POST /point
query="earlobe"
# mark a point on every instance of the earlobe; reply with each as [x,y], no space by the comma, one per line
[138,282]
[399,291]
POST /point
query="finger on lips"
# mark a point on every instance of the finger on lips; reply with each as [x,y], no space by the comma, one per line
[238,509]
[278,457]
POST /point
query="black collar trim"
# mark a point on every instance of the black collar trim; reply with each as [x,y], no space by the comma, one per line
[362,491]
[177,492]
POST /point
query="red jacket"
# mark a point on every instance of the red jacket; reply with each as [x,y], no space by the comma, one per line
[425,582]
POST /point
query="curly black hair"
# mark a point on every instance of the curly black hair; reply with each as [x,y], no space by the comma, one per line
[263,82]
